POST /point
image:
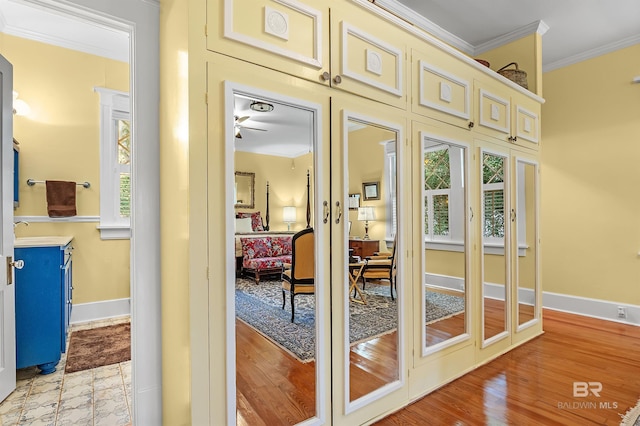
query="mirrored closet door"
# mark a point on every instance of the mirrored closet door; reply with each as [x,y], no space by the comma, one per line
[526,235]
[445,230]
[368,285]
[495,234]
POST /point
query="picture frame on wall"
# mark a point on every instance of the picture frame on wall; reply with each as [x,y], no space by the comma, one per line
[354,201]
[371,191]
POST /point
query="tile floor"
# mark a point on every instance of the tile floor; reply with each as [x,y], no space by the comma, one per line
[101,396]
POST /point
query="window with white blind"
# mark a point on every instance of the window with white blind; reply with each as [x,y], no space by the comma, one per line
[443,195]
[493,202]
[115,164]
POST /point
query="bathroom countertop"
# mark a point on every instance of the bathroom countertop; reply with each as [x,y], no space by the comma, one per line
[42,241]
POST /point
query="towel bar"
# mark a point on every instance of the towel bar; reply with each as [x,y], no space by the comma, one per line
[32,182]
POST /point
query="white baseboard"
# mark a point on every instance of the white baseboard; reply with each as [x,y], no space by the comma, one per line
[87,312]
[595,308]
[444,281]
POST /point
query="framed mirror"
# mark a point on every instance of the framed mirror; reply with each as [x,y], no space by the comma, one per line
[373,353]
[527,238]
[446,258]
[495,247]
[244,190]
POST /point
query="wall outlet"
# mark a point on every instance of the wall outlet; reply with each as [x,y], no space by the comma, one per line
[622,312]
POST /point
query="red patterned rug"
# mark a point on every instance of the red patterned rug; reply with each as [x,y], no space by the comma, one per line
[98,347]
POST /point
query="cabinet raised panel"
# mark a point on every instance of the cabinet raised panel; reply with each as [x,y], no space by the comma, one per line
[287,35]
[442,87]
[494,114]
[370,61]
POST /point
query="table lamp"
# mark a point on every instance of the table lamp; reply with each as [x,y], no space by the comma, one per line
[289,216]
[366,214]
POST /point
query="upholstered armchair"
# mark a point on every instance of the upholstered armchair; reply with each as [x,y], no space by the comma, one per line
[299,278]
[381,267]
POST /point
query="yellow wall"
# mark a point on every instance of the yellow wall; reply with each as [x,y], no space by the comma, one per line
[287,186]
[366,164]
[175,143]
[448,263]
[590,176]
[60,139]
[524,52]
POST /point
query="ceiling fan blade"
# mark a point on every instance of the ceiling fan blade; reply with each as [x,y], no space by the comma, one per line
[241,119]
[254,128]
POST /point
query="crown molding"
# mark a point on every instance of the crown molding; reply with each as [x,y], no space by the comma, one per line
[423,23]
[115,54]
[539,27]
[592,53]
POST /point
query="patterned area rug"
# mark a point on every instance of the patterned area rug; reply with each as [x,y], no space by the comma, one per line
[260,306]
[632,417]
[98,347]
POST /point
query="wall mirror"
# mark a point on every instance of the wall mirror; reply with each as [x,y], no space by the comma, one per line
[274,355]
[527,237]
[495,247]
[372,356]
[244,190]
[446,264]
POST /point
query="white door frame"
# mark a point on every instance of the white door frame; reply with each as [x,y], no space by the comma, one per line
[141,20]
[7,290]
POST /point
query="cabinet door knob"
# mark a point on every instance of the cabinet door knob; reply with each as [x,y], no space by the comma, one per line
[471,124]
[325,76]
[18,264]
[337,79]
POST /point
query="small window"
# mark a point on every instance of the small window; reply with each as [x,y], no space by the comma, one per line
[115,164]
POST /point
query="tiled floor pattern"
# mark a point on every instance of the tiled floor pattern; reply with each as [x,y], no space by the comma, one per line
[101,396]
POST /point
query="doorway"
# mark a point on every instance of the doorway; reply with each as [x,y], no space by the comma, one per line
[144,253]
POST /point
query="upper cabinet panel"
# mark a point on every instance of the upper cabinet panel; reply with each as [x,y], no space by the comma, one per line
[507,115]
[362,62]
[287,35]
[526,126]
[494,112]
[442,87]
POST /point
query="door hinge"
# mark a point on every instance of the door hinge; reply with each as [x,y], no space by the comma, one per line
[206,99]
[206,31]
[207,273]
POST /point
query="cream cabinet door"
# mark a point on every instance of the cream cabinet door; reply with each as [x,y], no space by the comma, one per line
[526,122]
[442,87]
[493,111]
[363,62]
[291,36]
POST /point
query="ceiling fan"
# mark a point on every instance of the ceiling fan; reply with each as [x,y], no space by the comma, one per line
[238,126]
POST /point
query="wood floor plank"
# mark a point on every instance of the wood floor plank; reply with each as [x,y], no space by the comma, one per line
[533,384]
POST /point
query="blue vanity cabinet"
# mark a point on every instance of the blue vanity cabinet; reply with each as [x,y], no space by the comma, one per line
[43,300]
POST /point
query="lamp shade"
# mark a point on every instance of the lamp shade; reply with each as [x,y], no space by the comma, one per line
[366,213]
[289,214]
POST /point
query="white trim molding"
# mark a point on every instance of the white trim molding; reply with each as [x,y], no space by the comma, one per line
[592,53]
[47,219]
[279,27]
[348,29]
[403,12]
[484,94]
[93,311]
[594,308]
[539,27]
[445,75]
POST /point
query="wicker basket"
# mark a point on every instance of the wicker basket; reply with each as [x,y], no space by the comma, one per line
[517,76]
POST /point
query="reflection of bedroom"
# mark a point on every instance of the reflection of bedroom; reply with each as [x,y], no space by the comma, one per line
[287,178]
